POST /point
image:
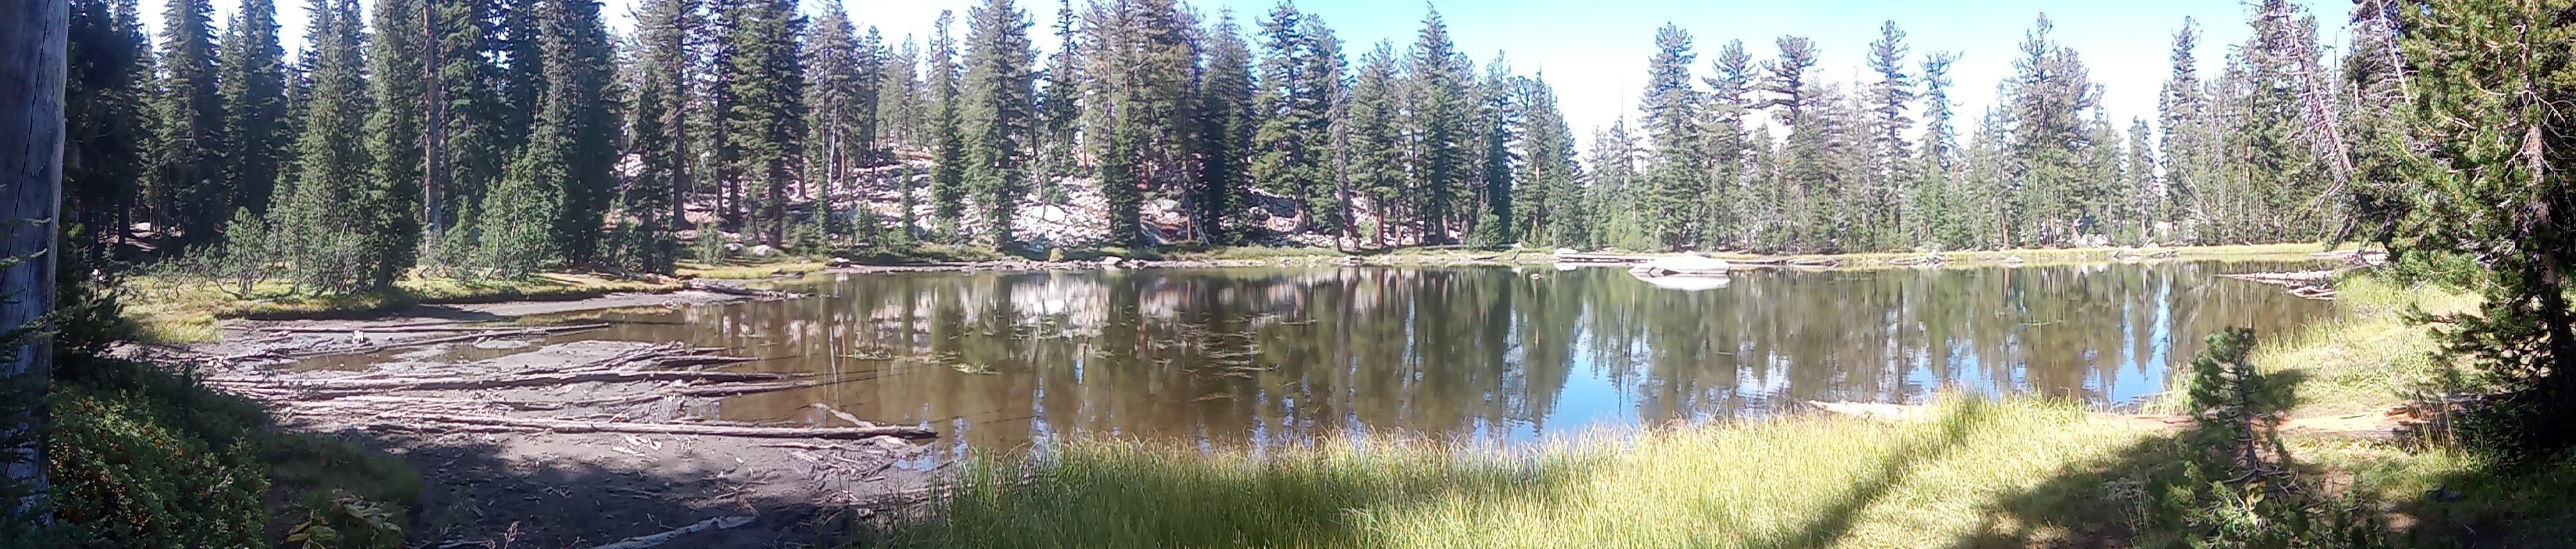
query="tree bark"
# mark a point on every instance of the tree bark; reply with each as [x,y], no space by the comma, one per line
[31,168]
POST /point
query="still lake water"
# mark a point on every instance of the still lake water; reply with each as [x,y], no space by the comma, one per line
[1488,355]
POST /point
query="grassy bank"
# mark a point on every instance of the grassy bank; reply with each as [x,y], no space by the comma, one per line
[2014,473]
[1802,482]
[166,310]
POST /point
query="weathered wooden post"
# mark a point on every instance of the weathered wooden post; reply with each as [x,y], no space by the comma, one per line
[31,184]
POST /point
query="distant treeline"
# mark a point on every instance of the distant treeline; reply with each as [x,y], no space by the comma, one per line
[501,137]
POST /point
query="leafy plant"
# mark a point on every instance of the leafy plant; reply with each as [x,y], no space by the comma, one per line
[348,521]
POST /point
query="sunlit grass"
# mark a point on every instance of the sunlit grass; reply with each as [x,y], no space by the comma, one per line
[168,312]
[1966,474]
[742,270]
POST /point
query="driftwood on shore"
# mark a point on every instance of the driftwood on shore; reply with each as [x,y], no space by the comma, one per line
[364,349]
[732,290]
[642,428]
[2307,284]
[593,394]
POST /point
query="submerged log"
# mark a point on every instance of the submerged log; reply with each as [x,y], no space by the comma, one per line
[502,382]
[571,426]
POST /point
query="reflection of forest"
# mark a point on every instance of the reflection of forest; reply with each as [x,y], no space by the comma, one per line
[1278,356]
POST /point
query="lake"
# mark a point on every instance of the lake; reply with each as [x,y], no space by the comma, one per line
[1483,355]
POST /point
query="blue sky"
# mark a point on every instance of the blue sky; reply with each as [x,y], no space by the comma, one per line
[1595,52]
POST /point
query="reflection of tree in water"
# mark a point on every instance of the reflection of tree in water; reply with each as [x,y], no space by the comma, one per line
[1280,356]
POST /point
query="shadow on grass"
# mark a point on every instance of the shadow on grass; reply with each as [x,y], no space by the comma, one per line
[1832,523]
[1132,494]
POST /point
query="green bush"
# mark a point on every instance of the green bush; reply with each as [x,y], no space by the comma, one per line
[2238,487]
[129,471]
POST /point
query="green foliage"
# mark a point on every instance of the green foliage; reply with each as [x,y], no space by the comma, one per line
[135,467]
[348,521]
[2491,187]
[999,117]
[2239,487]
[710,246]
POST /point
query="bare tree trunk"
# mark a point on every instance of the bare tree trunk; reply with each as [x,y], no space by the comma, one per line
[31,185]
[434,144]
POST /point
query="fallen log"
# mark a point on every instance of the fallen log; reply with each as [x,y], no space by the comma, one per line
[2285,279]
[656,540]
[503,382]
[739,389]
[542,330]
[401,329]
[732,290]
[569,426]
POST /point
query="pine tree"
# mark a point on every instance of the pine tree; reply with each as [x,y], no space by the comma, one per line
[1060,104]
[187,155]
[899,98]
[325,213]
[394,129]
[1142,67]
[580,69]
[1545,199]
[1375,138]
[663,92]
[647,208]
[474,128]
[1120,182]
[1936,207]
[1299,86]
[106,126]
[1000,113]
[1800,173]
[2180,112]
[2143,186]
[1669,113]
[1436,86]
[1889,164]
[1225,131]
[253,90]
[1497,126]
[2493,186]
[2050,94]
[838,107]
[947,143]
[1732,213]
[766,120]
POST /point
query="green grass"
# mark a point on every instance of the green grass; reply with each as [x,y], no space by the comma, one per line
[169,312]
[1969,474]
[749,269]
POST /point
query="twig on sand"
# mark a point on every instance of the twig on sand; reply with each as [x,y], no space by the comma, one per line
[656,540]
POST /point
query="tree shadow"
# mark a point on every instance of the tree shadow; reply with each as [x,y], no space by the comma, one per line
[1154,494]
[480,492]
[1830,525]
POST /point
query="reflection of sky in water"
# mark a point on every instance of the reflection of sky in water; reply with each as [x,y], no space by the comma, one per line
[1482,355]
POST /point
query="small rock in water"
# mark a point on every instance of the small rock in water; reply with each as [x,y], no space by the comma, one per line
[502,344]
